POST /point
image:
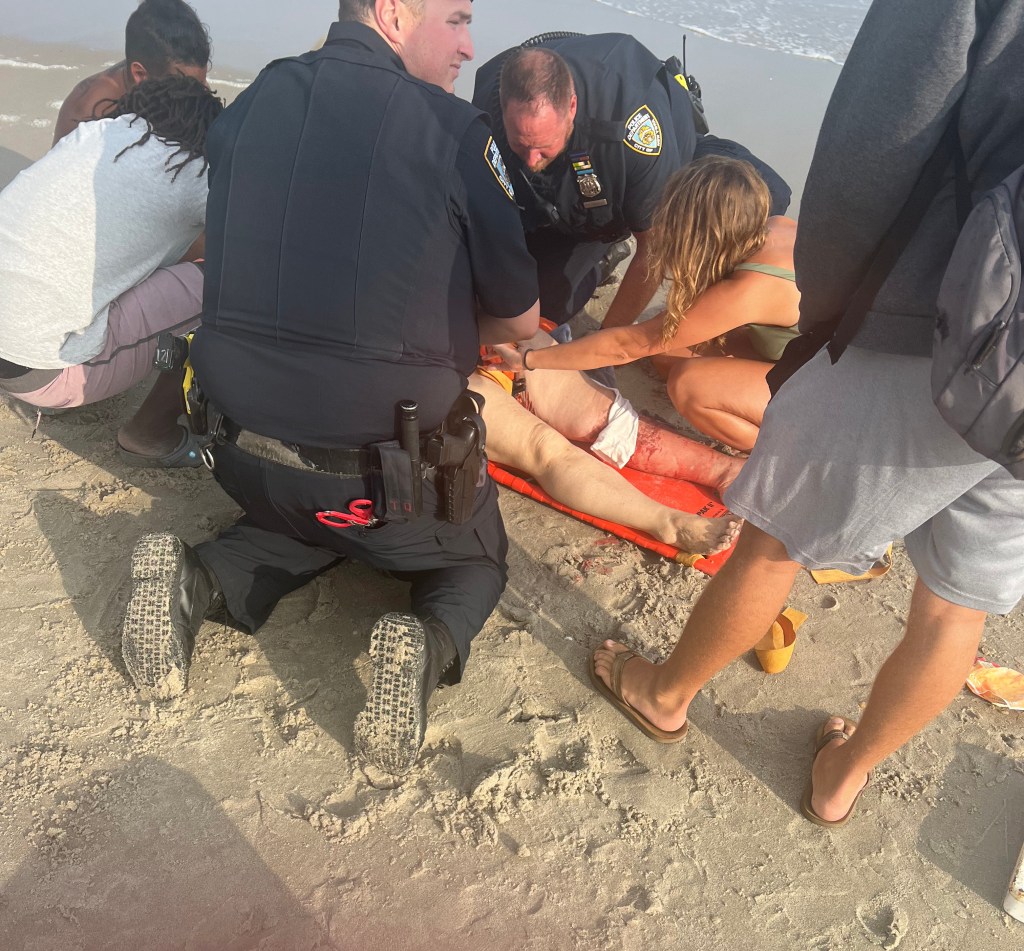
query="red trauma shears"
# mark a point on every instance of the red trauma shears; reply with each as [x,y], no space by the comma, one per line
[360,512]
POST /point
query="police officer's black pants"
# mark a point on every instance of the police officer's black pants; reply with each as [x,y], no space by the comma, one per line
[457,572]
[568,272]
[778,188]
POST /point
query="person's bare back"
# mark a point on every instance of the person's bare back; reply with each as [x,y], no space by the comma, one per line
[90,93]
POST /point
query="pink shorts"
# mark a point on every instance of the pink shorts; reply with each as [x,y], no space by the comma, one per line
[171,298]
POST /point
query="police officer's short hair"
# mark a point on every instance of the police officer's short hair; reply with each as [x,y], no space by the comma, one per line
[362,10]
[536,75]
[162,32]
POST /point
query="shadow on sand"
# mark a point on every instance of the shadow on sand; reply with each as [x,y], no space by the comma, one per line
[149,860]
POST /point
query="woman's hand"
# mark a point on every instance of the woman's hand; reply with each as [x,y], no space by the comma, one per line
[511,356]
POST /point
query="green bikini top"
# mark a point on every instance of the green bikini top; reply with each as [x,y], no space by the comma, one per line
[787,274]
[769,341]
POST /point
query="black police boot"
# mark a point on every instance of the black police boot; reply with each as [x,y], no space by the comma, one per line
[613,257]
[410,658]
[172,592]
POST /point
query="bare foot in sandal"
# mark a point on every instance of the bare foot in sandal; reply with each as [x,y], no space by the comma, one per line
[637,689]
[832,793]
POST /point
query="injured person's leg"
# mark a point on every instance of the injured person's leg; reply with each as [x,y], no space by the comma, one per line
[518,438]
[586,412]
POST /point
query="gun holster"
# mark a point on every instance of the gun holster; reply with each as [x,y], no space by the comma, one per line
[457,452]
[201,425]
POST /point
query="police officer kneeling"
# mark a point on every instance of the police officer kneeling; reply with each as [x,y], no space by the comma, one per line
[591,128]
[357,220]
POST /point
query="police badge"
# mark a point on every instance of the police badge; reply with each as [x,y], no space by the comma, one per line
[587,182]
[589,186]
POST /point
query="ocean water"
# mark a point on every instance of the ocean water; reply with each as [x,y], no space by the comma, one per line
[819,29]
[750,92]
[248,33]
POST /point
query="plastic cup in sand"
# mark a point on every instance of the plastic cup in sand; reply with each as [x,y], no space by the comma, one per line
[1013,904]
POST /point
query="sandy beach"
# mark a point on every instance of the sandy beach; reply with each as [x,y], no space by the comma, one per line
[237,818]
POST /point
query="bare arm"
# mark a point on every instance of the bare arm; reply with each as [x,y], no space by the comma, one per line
[197,251]
[83,100]
[740,299]
[69,116]
[637,289]
[508,329]
[611,347]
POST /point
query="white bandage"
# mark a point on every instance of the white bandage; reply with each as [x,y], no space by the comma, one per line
[616,443]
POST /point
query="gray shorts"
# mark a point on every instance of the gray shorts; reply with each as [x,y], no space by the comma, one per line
[854,456]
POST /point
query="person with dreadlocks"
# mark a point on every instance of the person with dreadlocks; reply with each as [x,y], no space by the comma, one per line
[162,38]
[91,237]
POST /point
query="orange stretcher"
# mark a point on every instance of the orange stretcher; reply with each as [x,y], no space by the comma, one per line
[679,494]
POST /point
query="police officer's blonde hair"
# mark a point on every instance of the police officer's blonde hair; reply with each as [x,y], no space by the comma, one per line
[713,215]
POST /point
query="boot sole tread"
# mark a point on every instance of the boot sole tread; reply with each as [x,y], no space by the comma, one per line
[389,731]
[151,646]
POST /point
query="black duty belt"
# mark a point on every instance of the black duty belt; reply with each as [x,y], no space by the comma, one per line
[346,463]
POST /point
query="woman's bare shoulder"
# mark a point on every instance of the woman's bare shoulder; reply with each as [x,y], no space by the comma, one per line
[778,248]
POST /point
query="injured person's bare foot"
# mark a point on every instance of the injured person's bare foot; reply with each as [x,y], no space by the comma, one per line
[835,786]
[639,685]
[697,535]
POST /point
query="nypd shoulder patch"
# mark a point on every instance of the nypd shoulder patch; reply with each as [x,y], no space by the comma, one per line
[492,154]
[643,132]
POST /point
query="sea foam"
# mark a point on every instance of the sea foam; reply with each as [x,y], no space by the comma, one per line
[22,64]
[817,29]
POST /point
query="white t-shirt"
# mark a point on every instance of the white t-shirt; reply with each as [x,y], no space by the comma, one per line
[78,229]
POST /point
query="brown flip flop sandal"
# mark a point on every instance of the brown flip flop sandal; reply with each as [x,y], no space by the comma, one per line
[822,738]
[614,696]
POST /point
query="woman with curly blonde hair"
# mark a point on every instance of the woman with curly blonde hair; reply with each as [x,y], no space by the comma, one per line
[730,265]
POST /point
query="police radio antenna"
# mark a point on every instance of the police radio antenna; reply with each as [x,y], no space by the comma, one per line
[684,56]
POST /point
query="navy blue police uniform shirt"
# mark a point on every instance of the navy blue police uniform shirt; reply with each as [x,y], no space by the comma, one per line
[357,217]
[634,127]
